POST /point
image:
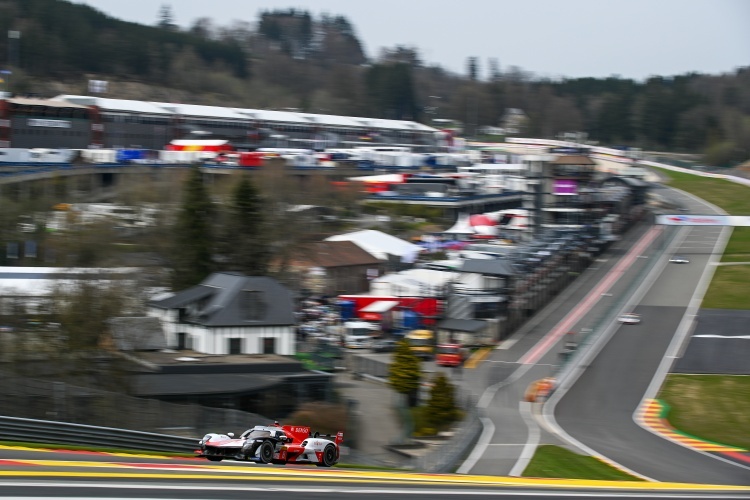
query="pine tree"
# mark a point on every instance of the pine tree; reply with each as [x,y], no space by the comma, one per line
[246,246]
[405,372]
[166,18]
[192,254]
[441,408]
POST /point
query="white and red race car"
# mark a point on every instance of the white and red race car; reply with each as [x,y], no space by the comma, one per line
[277,444]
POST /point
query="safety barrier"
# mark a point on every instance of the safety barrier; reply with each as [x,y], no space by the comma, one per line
[60,433]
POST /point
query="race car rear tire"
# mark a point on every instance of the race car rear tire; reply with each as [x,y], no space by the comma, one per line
[330,456]
[214,459]
[265,452]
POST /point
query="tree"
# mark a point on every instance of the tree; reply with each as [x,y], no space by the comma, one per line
[441,408]
[193,249]
[246,243]
[405,373]
[82,309]
[166,18]
[472,65]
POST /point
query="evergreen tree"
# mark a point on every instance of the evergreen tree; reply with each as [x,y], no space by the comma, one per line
[246,244]
[166,18]
[472,64]
[192,255]
[441,408]
[405,373]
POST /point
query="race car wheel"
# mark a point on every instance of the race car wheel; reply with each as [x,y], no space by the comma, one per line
[214,459]
[265,452]
[329,456]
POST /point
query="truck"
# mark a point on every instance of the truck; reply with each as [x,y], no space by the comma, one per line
[449,355]
[421,343]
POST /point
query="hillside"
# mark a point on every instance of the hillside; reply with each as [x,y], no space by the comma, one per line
[290,59]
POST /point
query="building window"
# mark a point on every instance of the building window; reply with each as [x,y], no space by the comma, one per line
[235,346]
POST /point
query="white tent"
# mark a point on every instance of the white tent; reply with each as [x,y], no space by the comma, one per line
[461,226]
[380,244]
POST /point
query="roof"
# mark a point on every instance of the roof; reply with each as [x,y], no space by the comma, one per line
[380,306]
[222,300]
[500,267]
[329,254]
[462,325]
[462,226]
[160,384]
[233,113]
[380,244]
[202,111]
[573,160]
[107,104]
[137,333]
[26,101]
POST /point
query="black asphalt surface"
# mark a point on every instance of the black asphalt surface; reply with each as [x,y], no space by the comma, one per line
[598,410]
[720,343]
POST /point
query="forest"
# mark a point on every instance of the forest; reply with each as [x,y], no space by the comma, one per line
[294,60]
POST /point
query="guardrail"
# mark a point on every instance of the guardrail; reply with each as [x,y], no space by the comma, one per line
[57,433]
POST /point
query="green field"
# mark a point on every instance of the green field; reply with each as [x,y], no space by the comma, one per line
[730,287]
[554,461]
[715,408]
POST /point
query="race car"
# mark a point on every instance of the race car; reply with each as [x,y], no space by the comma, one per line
[629,319]
[277,444]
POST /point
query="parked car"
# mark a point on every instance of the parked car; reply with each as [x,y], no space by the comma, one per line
[629,319]
[679,259]
[384,345]
[287,444]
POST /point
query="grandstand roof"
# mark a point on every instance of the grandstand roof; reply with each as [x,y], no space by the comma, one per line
[109,104]
[219,112]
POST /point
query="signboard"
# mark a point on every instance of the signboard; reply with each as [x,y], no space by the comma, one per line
[39,122]
[703,220]
[566,150]
[565,187]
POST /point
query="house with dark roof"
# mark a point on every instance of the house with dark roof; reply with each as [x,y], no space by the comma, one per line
[229,313]
[338,267]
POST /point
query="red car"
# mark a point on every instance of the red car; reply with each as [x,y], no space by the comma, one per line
[277,444]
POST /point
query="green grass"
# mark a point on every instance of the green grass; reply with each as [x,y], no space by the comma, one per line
[556,462]
[730,287]
[713,407]
[732,197]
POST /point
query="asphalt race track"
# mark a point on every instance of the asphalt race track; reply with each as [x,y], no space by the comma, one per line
[598,411]
[40,474]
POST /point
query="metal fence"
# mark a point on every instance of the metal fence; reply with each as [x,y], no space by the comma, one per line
[444,456]
[45,400]
[61,433]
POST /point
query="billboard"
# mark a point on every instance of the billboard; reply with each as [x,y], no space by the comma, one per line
[703,220]
[564,186]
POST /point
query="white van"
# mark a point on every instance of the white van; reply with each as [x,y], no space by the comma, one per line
[359,334]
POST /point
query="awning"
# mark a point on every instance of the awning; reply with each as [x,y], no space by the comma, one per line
[379,306]
[462,325]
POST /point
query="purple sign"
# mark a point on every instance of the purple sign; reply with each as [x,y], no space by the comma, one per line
[565,186]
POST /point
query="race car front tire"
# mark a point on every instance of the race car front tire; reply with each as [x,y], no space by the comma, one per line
[265,452]
[329,456]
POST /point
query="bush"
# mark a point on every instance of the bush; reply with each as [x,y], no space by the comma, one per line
[441,408]
[326,418]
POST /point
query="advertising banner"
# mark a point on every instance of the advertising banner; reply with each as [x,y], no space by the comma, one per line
[703,220]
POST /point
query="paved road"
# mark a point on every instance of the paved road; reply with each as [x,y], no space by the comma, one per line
[501,381]
[598,411]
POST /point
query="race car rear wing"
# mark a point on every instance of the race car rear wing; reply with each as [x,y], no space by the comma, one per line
[338,438]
